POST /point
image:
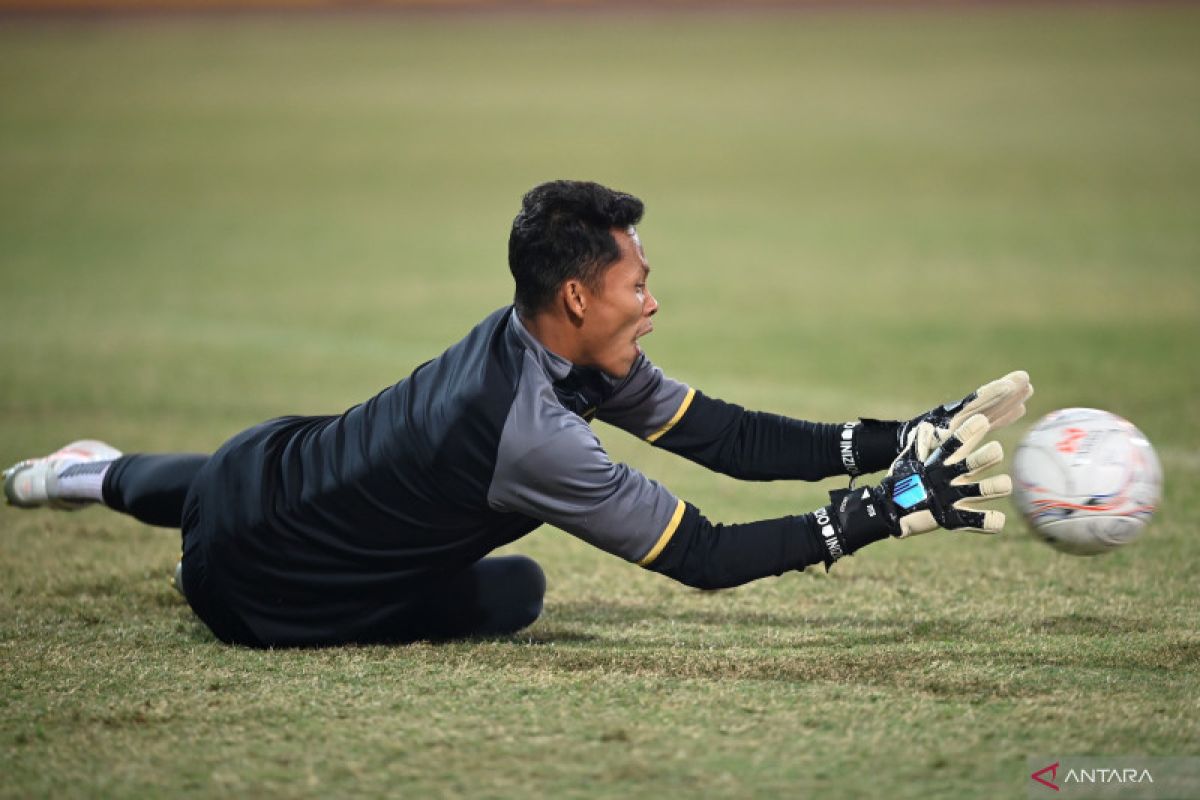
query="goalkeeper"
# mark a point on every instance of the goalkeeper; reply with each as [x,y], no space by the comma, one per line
[375,525]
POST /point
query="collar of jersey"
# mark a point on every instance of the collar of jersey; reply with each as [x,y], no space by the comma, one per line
[555,365]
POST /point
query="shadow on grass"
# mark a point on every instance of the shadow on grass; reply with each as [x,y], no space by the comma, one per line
[861,629]
[969,659]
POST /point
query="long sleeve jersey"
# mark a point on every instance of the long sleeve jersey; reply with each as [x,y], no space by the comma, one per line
[347,517]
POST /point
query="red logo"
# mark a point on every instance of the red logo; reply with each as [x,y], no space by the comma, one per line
[1070,440]
[1053,770]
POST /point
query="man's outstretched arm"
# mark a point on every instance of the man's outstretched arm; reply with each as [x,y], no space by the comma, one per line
[761,446]
[748,445]
[919,494]
[705,555]
[756,445]
[560,474]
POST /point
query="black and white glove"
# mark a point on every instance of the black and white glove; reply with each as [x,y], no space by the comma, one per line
[921,494]
[868,445]
[1002,401]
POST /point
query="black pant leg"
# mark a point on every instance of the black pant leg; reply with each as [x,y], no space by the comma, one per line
[151,488]
[493,597]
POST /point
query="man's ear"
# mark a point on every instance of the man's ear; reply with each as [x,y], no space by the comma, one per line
[575,299]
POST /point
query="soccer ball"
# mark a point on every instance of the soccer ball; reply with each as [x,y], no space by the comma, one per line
[1086,480]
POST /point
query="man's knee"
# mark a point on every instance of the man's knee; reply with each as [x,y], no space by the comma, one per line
[520,590]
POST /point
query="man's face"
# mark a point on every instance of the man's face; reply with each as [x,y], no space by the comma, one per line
[619,313]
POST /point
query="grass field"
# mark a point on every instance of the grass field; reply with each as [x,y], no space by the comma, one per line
[206,222]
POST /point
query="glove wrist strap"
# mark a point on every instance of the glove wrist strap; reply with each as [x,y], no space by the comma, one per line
[860,518]
[872,445]
[852,520]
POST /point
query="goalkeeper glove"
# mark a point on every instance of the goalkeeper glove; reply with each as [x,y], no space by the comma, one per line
[871,444]
[1002,401]
[920,494]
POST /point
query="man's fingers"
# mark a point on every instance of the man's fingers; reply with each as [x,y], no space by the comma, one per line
[961,442]
[987,456]
[979,461]
[1013,387]
[1018,377]
[981,521]
[928,438]
[992,522]
[996,391]
[1002,400]
[918,522]
[1010,417]
[995,486]
[991,488]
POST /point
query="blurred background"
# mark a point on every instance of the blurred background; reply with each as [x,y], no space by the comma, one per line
[210,218]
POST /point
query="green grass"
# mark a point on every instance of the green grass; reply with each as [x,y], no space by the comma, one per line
[208,222]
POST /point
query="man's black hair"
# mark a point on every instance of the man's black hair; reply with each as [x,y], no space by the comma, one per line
[564,231]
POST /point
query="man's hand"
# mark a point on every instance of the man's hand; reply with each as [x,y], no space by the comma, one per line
[943,488]
[921,494]
[1002,401]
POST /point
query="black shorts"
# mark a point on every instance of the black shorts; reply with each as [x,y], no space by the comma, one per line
[200,584]
[260,582]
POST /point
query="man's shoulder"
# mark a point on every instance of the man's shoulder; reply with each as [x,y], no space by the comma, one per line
[537,418]
[646,402]
[475,362]
[485,335]
[460,399]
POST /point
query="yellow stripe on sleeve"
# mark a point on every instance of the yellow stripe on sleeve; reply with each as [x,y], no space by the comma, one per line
[667,533]
[683,407]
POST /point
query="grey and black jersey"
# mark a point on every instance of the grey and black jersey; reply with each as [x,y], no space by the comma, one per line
[328,527]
